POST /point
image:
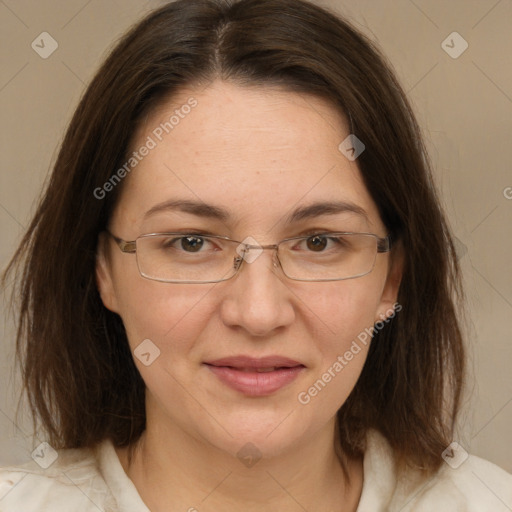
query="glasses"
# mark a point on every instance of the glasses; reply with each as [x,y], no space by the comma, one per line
[197,258]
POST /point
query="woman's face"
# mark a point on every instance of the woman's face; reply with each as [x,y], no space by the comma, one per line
[258,154]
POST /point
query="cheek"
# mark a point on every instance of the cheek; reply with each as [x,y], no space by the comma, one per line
[341,310]
[163,312]
[341,325]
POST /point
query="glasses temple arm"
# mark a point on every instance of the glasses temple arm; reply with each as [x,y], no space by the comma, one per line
[123,244]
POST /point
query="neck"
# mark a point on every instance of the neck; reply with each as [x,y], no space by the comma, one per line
[171,467]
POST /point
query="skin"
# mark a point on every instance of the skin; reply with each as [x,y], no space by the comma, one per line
[258,152]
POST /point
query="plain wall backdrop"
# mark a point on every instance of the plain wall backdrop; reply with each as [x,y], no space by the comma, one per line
[463,101]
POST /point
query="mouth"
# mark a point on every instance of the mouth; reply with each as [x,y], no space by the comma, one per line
[248,363]
[259,370]
[256,376]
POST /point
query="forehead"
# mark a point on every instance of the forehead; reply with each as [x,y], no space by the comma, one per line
[259,152]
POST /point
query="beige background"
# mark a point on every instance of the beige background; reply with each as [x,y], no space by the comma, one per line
[463,104]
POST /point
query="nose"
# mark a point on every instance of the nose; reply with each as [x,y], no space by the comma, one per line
[257,299]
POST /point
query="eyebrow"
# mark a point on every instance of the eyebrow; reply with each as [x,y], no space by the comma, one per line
[194,207]
[325,208]
[201,209]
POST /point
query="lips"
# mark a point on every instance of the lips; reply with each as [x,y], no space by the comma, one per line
[245,363]
[255,376]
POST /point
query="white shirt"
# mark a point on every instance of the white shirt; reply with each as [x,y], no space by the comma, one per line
[92,480]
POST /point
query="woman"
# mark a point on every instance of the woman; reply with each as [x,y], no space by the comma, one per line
[239,289]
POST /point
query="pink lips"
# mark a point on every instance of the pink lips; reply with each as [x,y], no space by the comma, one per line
[256,376]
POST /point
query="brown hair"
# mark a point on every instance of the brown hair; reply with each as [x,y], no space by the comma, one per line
[81,381]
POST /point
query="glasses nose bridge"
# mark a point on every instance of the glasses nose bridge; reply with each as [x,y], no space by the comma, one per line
[239,258]
[268,246]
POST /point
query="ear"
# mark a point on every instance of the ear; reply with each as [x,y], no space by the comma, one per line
[104,280]
[388,302]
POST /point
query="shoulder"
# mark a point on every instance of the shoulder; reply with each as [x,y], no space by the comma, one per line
[476,485]
[464,483]
[56,481]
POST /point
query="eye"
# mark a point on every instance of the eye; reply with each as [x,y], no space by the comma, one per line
[316,243]
[192,243]
[189,243]
[321,243]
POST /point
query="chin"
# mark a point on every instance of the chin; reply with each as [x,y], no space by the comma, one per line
[267,435]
